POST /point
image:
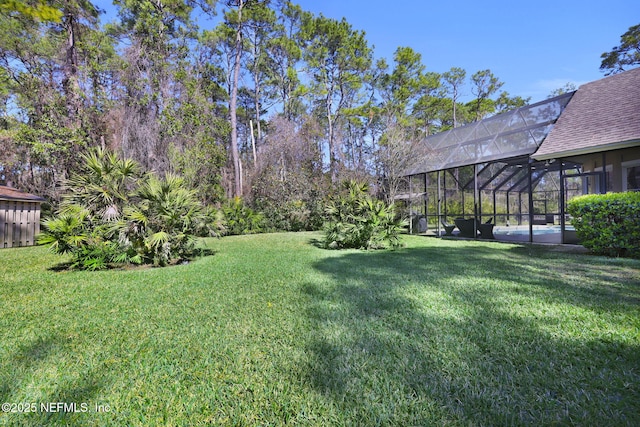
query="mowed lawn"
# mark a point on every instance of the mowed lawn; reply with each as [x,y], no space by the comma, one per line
[273,330]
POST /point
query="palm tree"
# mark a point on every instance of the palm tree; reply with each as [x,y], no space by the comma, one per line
[164,224]
[103,186]
[112,213]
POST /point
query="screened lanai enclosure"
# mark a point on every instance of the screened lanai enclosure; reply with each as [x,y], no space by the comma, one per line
[479,180]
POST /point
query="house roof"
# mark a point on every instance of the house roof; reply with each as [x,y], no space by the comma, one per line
[9,193]
[602,115]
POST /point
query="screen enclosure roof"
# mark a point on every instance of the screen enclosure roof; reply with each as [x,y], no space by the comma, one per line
[504,136]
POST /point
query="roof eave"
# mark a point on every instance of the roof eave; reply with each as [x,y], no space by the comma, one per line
[32,199]
[587,150]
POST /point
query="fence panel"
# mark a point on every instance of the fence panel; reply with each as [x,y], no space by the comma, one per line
[19,223]
[3,222]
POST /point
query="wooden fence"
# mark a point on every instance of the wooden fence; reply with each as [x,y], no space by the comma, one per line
[19,223]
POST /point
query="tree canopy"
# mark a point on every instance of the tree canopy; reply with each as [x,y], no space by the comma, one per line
[624,56]
[257,99]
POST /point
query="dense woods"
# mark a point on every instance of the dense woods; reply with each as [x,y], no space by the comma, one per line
[255,100]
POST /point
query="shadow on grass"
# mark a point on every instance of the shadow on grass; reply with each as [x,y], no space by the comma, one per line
[75,388]
[198,253]
[27,357]
[318,243]
[476,335]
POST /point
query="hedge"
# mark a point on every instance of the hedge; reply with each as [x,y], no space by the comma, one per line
[608,224]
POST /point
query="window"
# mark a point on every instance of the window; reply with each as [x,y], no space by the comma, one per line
[598,180]
[631,176]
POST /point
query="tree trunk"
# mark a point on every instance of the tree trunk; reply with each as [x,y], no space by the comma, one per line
[256,100]
[333,161]
[70,69]
[253,145]
[235,155]
[455,99]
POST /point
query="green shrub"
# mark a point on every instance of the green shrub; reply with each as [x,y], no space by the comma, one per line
[241,219]
[294,215]
[73,232]
[163,225]
[66,231]
[608,224]
[356,220]
[112,214]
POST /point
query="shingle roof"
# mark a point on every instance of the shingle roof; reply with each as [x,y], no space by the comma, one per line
[602,115]
[8,193]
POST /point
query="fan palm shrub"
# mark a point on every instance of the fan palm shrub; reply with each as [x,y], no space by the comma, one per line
[104,184]
[357,220]
[67,231]
[164,224]
[73,231]
[111,213]
[241,219]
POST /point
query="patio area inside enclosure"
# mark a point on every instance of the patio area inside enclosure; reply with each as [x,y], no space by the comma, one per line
[484,170]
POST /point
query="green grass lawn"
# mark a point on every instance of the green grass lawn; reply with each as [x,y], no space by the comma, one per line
[272,330]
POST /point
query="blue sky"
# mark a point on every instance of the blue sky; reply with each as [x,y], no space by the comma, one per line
[533,46]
